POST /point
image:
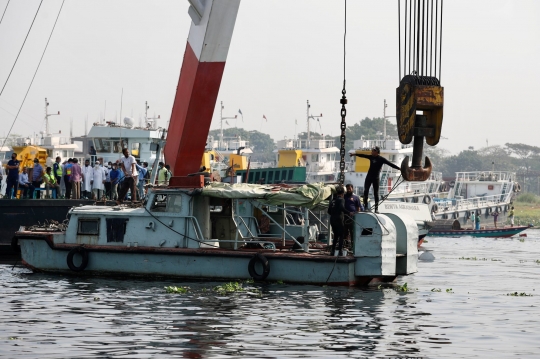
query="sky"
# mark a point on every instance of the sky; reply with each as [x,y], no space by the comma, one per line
[106,58]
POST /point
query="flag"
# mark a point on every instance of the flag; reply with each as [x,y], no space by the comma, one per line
[227,122]
[240,112]
[295,121]
[265,118]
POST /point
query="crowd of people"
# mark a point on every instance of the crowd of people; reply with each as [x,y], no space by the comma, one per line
[73,180]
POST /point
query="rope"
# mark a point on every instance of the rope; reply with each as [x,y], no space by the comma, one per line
[20,50]
[4,11]
[33,77]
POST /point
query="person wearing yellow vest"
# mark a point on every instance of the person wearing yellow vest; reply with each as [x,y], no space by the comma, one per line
[50,182]
[57,172]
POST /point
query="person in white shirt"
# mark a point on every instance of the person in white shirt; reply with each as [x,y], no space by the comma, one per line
[128,166]
[24,184]
[98,181]
[87,177]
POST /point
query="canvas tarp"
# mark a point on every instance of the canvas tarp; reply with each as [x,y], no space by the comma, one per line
[309,195]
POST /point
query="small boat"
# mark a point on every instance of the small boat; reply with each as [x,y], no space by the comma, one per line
[452,228]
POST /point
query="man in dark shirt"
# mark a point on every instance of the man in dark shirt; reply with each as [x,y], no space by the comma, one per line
[352,205]
[372,177]
[336,210]
[13,176]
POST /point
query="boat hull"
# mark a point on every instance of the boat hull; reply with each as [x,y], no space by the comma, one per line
[490,232]
[42,255]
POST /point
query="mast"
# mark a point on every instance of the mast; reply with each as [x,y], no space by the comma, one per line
[47,132]
[384,120]
[221,143]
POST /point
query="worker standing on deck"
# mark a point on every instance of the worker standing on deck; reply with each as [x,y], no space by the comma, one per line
[127,164]
[372,177]
[37,177]
[495,216]
[477,221]
[75,178]
[98,181]
[511,216]
[352,205]
[336,210]
[12,177]
[67,177]
[57,172]
[87,173]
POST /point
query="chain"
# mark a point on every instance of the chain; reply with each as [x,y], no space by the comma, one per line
[342,138]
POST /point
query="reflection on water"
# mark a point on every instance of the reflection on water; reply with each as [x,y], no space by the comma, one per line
[471,316]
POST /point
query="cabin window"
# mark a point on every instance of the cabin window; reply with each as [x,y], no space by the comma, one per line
[170,203]
[367,232]
[88,226]
[314,158]
[136,150]
[116,229]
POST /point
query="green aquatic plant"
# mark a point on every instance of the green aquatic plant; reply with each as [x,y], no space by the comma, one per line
[516,294]
[537,261]
[176,290]
[436,290]
[522,240]
[229,288]
[279,282]
[402,288]
[449,290]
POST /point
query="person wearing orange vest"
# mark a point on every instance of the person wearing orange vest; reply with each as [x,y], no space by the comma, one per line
[50,182]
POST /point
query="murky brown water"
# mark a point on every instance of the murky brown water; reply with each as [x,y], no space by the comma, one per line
[45,316]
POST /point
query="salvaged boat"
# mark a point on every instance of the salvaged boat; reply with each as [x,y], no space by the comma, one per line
[218,231]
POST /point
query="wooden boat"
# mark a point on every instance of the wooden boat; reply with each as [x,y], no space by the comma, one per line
[487,232]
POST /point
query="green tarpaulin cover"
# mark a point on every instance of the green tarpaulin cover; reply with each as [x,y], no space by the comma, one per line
[309,195]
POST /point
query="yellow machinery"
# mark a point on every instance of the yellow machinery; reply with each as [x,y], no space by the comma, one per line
[27,154]
[290,158]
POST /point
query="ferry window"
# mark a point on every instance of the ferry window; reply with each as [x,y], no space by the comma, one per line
[135,149]
[314,158]
[88,226]
[169,203]
[116,229]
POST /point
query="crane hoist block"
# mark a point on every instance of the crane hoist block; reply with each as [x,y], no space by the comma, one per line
[419,93]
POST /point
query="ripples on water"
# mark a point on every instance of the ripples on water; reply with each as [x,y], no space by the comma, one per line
[46,316]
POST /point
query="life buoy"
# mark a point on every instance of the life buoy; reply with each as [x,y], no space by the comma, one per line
[265,264]
[479,211]
[84,254]
[489,210]
[456,215]
[434,208]
[415,199]
[499,209]
[467,214]
[427,199]
[518,187]
[452,184]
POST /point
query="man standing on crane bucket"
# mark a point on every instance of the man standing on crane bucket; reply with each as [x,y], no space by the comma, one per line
[372,178]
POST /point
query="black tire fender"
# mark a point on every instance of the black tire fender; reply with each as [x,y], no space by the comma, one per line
[427,199]
[84,254]
[434,208]
[264,262]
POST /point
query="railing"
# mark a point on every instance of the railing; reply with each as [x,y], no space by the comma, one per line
[452,205]
[493,176]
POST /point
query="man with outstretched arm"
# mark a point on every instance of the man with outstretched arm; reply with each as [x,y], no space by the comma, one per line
[372,178]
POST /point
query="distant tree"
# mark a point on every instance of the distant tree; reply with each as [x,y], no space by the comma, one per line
[261,144]
[371,129]
[524,152]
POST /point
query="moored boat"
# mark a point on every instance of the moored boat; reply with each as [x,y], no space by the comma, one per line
[487,232]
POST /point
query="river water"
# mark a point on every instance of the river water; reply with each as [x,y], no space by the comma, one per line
[472,316]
